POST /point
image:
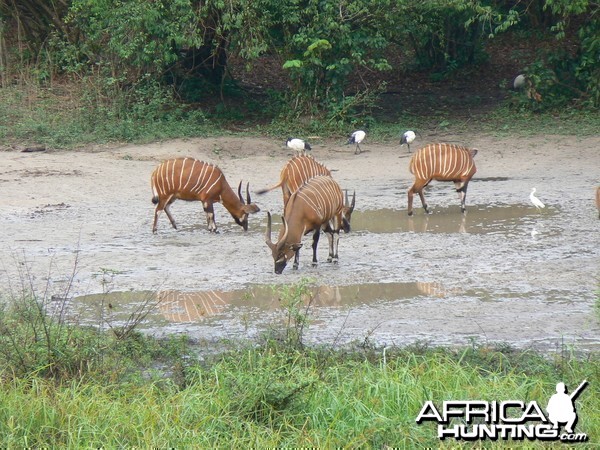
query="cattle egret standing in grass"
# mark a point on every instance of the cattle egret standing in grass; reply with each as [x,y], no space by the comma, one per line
[407,138]
[356,138]
[536,201]
[298,144]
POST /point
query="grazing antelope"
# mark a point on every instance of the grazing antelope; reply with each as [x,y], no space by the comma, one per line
[295,173]
[190,179]
[318,205]
[441,162]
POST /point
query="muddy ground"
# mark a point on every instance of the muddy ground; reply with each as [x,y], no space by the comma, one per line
[443,278]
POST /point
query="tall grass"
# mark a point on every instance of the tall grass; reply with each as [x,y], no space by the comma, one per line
[269,397]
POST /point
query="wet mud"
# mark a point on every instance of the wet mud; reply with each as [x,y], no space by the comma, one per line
[77,226]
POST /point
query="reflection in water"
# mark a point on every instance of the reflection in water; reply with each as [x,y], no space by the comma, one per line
[478,220]
[178,306]
[185,307]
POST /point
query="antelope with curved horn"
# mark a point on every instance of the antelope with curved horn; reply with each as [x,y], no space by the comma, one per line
[317,205]
[295,173]
[193,180]
[441,162]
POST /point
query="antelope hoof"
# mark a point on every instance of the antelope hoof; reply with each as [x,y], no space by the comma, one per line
[410,213]
[295,267]
[315,264]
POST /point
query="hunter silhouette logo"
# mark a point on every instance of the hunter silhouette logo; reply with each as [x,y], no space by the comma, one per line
[561,406]
[512,419]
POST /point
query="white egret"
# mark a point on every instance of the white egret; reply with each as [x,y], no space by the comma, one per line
[536,201]
[356,138]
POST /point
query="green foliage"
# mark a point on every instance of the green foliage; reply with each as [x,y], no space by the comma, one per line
[561,75]
[276,397]
[296,300]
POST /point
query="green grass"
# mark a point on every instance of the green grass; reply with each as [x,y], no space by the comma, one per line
[71,116]
[269,396]
[67,386]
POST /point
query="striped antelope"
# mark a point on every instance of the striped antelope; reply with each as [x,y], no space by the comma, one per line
[295,173]
[318,205]
[190,179]
[441,162]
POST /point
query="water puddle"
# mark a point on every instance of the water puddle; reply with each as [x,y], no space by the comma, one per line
[385,313]
[478,220]
[182,306]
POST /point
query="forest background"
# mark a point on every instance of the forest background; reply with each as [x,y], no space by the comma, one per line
[80,71]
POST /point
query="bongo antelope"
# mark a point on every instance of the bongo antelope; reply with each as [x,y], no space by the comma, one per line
[191,179]
[295,173]
[318,205]
[441,162]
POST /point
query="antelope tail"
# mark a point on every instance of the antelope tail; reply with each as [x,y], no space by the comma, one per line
[155,198]
[265,190]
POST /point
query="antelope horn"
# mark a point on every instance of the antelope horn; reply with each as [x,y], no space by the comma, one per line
[248,199]
[268,232]
[353,201]
[346,202]
[285,233]
[240,192]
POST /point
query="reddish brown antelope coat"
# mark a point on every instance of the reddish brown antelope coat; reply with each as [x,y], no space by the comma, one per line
[441,162]
[317,205]
[191,179]
[295,173]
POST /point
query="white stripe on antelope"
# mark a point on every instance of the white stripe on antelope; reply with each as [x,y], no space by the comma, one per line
[441,162]
[295,173]
[318,205]
[193,180]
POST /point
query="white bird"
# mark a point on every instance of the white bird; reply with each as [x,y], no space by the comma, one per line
[536,201]
[519,82]
[298,145]
[356,138]
[407,138]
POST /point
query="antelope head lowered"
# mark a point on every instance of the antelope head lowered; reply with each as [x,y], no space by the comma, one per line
[193,180]
[317,205]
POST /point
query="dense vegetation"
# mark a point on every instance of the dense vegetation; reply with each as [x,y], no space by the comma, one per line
[74,71]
